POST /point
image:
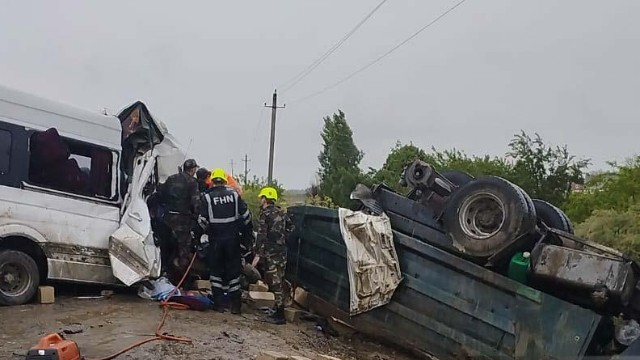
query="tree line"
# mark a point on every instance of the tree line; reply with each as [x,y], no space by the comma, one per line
[604,207]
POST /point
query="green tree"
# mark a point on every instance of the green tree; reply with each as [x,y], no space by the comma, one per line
[398,158]
[473,165]
[618,189]
[454,159]
[608,212]
[544,172]
[339,160]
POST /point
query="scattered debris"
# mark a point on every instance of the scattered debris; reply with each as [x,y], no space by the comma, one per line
[73,329]
[259,287]
[341,327]
[300,297]
[292,315]
[203,285]
[325,357]
[271,355]
[160,290]
[233,337]
[262,299]
[46,295]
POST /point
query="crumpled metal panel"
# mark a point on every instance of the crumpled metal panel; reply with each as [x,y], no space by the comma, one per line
[374,270]
[132,251]
[584,270]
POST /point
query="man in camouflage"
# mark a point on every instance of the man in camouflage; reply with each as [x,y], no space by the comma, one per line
[179,195]
[272,249]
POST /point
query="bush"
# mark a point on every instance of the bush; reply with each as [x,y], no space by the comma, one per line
[617,229]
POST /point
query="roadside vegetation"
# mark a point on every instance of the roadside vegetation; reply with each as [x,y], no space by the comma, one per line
[604,206]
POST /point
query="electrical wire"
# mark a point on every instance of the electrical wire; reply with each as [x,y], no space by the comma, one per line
[300,76]
[348,77]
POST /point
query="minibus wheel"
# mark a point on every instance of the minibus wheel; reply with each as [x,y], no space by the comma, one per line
[19,277]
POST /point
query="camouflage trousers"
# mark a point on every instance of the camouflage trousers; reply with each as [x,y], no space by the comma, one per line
[180,226]
[276,263]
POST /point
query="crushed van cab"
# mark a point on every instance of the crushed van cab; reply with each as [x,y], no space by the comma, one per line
[73,189]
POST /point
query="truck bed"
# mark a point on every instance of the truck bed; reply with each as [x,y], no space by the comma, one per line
[446,306]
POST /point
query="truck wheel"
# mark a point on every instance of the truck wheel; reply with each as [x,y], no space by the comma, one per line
[487,214]
[532,218]
[569,223]
[552,216]
[19,277]
[458,178]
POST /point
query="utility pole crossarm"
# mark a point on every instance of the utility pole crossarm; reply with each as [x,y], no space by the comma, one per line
[274,107]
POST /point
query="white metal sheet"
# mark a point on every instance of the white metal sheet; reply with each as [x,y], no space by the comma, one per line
[372,261]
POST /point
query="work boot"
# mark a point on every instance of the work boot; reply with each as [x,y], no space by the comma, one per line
[277,317]
[217,303]
[236,305]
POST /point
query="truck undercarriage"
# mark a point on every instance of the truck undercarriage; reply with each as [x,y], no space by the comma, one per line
[459,241]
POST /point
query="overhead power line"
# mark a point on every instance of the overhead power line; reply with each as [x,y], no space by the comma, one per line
[348,77]
[300,76]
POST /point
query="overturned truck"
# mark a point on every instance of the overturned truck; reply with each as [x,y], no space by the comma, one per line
[486,272]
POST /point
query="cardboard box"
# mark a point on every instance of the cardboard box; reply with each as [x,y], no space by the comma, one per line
[262,299]
[46,295]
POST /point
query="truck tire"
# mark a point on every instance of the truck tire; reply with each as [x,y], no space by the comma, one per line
[532,218]
[487,214]
[569,223]
[552,216]
[458,178]
[19,277]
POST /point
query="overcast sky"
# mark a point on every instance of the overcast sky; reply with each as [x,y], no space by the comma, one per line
[566,69]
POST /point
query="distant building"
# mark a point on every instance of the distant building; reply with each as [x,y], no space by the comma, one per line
[577,187]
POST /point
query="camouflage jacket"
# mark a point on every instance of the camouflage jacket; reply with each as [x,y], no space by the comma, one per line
[273,228]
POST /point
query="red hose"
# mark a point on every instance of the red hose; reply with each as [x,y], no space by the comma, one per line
[166,305]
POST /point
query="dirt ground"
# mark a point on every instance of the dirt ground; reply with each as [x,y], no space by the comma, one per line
[107,325]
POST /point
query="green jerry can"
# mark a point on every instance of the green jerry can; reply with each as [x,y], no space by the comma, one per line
[519,267]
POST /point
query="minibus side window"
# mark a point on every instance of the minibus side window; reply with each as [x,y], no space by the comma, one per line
[70,166]
[5,151]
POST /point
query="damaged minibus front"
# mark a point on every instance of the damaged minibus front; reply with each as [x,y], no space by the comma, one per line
[73,189]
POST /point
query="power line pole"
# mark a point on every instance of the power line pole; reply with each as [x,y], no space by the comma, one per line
[274,107]
[231,163]
[246,169]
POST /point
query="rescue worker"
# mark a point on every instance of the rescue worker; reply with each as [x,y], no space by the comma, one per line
[271,249]
[179,195]
[231,181]
[224,216]
[203,175]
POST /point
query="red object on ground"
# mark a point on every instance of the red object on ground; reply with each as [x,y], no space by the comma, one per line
[54,346]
